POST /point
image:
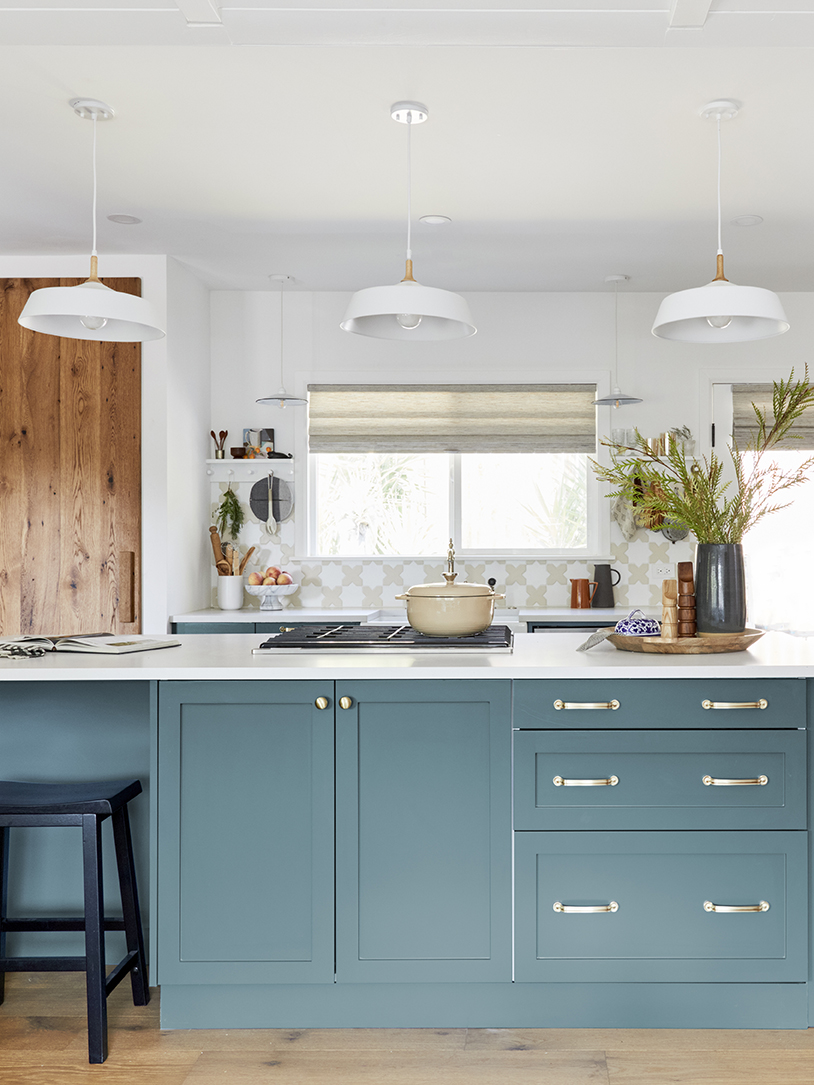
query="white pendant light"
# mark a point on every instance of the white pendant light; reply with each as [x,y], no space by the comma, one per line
[720,312]
[616,398]
[91,310]
[282,398]
[408,310]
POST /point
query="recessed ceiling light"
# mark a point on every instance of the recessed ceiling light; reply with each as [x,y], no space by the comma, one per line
[747,220]
[435,220]
[124,220]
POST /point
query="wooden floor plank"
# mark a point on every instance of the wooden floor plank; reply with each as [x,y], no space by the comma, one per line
[620,1040]
[673,1067]
[398,1068]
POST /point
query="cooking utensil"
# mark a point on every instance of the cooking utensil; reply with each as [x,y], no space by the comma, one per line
[271,523]
[450,609]
[216,547]
[223,567]
[249,553]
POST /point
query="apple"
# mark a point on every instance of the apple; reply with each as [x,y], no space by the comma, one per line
[273,572]
[255,578]
[269,580]
[285,578]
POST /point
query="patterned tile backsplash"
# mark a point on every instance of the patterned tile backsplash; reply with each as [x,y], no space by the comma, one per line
[375,582]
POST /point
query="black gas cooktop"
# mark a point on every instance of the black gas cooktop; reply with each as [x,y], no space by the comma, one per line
[387,638]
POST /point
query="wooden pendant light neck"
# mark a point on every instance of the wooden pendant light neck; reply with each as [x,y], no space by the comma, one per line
[720,277]
[94,270]
[408,274]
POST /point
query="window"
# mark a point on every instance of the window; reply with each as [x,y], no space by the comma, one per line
[781,542]
[385,482]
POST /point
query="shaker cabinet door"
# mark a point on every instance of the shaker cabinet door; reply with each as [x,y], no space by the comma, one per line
[423,831]
[245,838]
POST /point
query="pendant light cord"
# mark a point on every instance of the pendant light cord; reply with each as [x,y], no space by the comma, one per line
[615,336]
[282,382]
[409,187]
[94,263]
[720,250]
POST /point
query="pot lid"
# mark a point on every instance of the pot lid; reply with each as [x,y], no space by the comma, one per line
[449,589]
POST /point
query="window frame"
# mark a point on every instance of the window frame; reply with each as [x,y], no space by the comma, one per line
[597,547]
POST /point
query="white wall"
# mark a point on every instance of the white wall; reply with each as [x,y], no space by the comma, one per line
[521,338]
[185,571]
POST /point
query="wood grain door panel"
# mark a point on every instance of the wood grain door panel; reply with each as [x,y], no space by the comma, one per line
[70,476]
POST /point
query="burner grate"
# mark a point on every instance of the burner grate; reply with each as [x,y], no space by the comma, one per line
[375,637]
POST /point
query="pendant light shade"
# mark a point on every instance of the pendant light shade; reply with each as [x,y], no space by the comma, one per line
[91,310]
[386,312]
[408,310]
[721,311]
[72,312]
[282,398]
[690,316]
[616,398]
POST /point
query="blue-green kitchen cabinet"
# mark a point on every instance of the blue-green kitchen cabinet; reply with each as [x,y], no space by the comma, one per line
[246,839]
[245,847]
[423,830]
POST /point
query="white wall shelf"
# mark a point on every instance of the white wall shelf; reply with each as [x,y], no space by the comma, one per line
[245,470]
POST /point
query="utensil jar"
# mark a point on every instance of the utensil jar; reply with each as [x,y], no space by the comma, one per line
[230,592]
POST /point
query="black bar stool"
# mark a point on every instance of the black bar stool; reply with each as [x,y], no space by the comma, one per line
[86,805]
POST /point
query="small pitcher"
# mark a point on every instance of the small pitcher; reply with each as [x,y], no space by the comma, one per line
[581,593]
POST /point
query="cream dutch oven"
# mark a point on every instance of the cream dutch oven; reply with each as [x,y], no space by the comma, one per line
[450,609]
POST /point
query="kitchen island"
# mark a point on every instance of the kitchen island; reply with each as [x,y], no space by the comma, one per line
[334,839]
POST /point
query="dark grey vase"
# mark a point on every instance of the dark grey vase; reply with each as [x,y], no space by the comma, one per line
[720,588]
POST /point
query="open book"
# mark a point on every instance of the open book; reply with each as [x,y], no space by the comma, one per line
[102,643]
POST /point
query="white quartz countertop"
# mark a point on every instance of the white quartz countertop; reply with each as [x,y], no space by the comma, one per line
[211,657]
[399,614]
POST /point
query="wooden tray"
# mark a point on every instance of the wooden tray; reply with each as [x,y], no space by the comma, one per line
[700,644]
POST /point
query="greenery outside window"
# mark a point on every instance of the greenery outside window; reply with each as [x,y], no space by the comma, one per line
[386,481]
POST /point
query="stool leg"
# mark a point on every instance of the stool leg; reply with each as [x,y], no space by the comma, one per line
[130,905]
[94,938]
[4,841]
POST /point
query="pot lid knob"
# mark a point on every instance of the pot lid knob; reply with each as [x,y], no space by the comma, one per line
[450,574]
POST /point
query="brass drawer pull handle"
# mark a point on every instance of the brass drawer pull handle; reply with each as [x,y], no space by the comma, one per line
[287,628]
[345,702]
[710,907]
[759,781]
[762,703]
[321,702]
[573,909]
[559,705]
[609,781]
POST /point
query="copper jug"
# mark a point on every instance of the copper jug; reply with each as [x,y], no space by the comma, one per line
[581,593]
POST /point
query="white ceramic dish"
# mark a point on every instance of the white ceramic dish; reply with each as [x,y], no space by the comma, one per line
[270,594]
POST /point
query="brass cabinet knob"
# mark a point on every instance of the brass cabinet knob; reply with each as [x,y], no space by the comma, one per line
[345,702]
[321,702]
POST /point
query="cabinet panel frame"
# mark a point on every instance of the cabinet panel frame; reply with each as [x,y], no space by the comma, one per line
[351,967]
[237,696]
[780,804]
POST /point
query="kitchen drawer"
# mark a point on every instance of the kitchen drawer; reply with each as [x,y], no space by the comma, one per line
[659,779]
[666,702]
[661,930]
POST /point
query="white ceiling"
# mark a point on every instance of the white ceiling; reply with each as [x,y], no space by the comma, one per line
[564,139]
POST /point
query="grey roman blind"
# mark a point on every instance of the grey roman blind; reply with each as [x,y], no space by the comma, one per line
[744,425]
[452,418]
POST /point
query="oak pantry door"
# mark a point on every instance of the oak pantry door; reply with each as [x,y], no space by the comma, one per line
[70,476]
